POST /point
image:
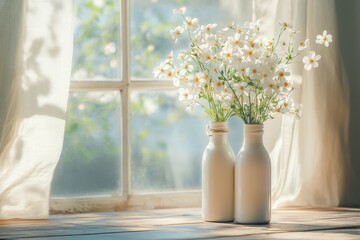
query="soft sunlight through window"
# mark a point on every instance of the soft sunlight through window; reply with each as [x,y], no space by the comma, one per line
[126,132]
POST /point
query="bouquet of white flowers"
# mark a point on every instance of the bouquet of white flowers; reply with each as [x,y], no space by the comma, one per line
[234,71]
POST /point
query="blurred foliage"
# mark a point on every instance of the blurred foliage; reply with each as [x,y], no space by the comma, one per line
[90,160]
[96,39]
[154,117]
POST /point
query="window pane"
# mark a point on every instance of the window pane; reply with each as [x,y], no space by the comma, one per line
[167,143]
[151,21]
[90,160]
[96,40]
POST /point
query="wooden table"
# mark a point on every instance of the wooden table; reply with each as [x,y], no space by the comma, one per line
[290,223]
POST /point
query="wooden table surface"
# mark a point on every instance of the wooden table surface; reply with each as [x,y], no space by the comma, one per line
[186,223]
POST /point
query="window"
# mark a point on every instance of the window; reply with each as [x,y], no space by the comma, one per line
[127,136]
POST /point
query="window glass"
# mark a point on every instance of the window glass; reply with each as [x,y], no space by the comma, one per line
[152,20]
[90,160]
[96,40]
[167,143]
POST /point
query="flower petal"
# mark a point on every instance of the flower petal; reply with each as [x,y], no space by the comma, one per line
[306,59]
[312,54]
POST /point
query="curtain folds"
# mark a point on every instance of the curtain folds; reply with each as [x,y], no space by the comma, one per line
[311,161]
[35,65]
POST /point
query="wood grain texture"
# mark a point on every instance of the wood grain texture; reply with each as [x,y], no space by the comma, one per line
[186,223]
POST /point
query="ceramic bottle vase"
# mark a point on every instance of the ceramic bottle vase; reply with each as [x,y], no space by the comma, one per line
[218,175]
[253,179]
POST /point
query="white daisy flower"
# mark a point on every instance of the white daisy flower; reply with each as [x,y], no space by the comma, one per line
[286,25]
[185,95]
[219,85]
[269,86]
[311,61]
[190,22]
[160,71]
[325,39]
[282,74]
[175,34]
[208,28]
[297,108]
[241,89]
[303,45]
[180,11]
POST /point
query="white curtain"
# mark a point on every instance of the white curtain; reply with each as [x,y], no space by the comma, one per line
[35,65]
[311,164]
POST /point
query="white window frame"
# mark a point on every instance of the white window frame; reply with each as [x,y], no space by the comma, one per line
[128,199]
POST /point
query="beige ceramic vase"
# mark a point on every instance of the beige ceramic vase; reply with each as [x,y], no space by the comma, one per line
[218,175]
[253,179]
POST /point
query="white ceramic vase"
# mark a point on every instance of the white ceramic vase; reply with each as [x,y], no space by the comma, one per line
[218,175]
[253,179]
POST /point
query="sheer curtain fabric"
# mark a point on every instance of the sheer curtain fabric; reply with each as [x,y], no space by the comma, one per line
[311,160]
[35,66]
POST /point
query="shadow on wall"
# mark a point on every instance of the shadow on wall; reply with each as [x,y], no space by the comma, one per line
[36,83]
[348,20]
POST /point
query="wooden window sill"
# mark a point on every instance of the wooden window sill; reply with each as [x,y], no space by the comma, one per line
[186,223]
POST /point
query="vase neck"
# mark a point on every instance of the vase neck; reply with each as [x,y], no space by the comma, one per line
[219,138]
[218,132]
[253,134]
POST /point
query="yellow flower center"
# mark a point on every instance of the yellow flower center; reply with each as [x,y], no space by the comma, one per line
[206,76]
[252,44]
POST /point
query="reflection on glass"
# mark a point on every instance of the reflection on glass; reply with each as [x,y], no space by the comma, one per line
[167,143]
[90,160]
[151,21]
[96,40]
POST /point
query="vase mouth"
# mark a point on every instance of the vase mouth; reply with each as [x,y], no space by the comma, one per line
[254,128]
[217,127]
